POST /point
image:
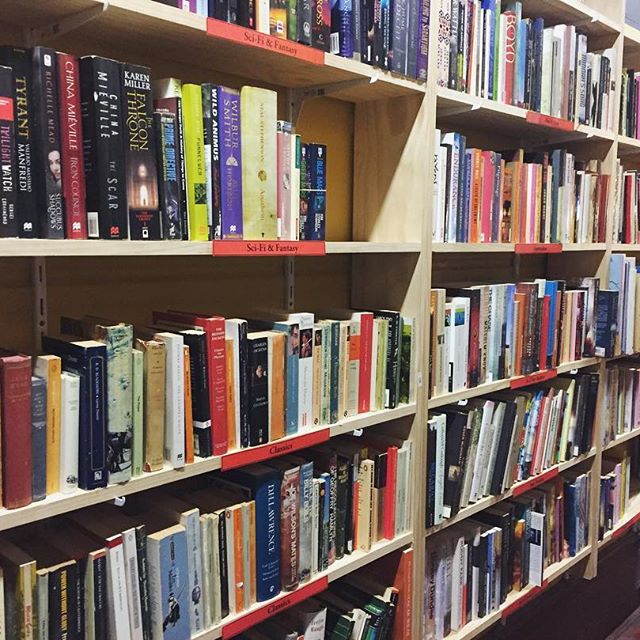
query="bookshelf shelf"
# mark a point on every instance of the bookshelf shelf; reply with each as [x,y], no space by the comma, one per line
[503,247]
[623,437]
[260,611]
[490,387]
[631,37]
[628,147]
[59,503]
[517,489]
[630,518]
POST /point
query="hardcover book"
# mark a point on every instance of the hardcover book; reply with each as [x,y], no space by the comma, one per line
[39,437]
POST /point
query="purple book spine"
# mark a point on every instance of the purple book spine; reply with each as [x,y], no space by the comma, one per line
[230,164]
[423,40]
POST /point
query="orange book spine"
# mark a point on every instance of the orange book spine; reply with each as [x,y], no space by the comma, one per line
[276,401]
[252,550]
[404,608]
[476,195]
[237,556]
[188,409]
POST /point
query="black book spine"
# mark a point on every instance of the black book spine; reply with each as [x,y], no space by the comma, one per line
[9,226]
[99,597]
[321,25]
[167,149]
[461,462]
[76,603]
[344,482]
[243,359]
[393,360]
[247,13]
[27,206]
[431,475]
[258,391]
[140,153]
[455,428]
[481,563]
[145,603]
[503,448]
[224,569]
[304,18]
[103,148]
[200,405]
[48,162]
[215,163]
[217,9]
[366,31]
[207,90]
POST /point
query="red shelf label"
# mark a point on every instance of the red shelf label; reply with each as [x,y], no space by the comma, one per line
[278,604]
[252,38]
[273,449]
[537,247]
[520,602]
[268,248]
[533,378]
[549,121]
[536,481]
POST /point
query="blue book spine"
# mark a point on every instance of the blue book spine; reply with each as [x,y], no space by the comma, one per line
[551,290]
[497,199]
[39,437]
[267,497]
[335,372]
[314,225]
[230,163]
[175,591]
[462,231]
[400,36]
[461,183]
[326,499]
[606,323]
[570,517]
[616,271]
[521,58]
[292,375]
[306,532]
[538,30]
[90,364]
[345,12]
[490,7]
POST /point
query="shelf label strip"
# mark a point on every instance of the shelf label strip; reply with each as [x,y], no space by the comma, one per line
[527,597]
[274,449]
[252,38]
[533,378]
[268,248]
[278,604]
[536,481]
[526,248]
[549,121]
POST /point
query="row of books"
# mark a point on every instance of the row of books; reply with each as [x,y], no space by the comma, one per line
[107,403]
[357,607]
[181,561]
[621,411]
[471,568]
[615,483]
[629,95]
[390,35]
[488,196]
[491,332]
[626,215]
[197,162]
[486,446]
[617,318]
[488,49]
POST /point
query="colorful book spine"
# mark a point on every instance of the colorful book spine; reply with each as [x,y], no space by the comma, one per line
[321,25]
[216,175]
[169,184]
[73,180]
[9,224]
[313,192]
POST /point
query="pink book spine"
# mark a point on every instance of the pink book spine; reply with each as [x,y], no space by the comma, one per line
[488,170]
[533,175]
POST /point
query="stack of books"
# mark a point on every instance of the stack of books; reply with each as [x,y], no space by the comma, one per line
[107,403]
[488,49]
[486,196]
[192,162]
[471,568]
[491,443]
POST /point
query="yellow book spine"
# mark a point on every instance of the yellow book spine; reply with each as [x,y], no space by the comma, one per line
[188,408]
[258,116]
[252,550]
[276,399]
[195,159]
[231,403]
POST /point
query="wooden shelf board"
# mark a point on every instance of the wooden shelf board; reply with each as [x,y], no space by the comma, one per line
[631,34]
[621,247]
[516,489]
[622,437]
[338,569]
[458,109]
[182,36]
[21,247]
[551,574]
[628,147]
[504,247]
[490,387]
[60,503]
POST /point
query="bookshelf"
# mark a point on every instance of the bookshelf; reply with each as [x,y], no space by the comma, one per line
[378,252]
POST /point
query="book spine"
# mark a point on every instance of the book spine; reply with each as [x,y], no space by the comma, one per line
[215,163]
[312,225]
[258,391]
[191,522]
[19,60]
[75,213]
[321,25]
[137,417]
[69,432]
[129,545]
[154,404]
[303,34]
[103,149]
[267,540]
[143,581]
[231,203]
[335,371]
[15,386]
[9,223]
[39,437]
[47,143]
[290,529]
[305,521]
[169,186]
[93,466]
[400,36]
[200,404]
[207,137]
[217,368]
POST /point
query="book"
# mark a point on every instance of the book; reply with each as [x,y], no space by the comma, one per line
[39,437]
[168,150]
[69,431]
[9,223]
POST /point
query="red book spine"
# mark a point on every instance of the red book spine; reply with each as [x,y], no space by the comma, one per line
[289,527]
[389,524]
[15,390]
[627,210]
[510,27]
[366,343]
[602,208]
[544,333]
[217,364]
[404,607]
[536,444]
[488,177]
[73,189]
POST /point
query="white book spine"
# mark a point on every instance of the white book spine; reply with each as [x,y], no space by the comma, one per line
[191,522]
[374,365]
[483,443]
[69,432]
[43,608]
[207,572]
[174,398]
[262,16]
[117,607]
[133,585]
[231,567]
[232,332]
[437,187]
[547,71]
[441,426]
[294,191]
[305,372]
[138,411]
[461,332]
[536,549]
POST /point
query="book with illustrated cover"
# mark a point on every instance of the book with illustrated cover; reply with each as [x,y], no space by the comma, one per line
[9,223]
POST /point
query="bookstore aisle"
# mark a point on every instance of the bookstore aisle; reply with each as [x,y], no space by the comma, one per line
[319,319]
